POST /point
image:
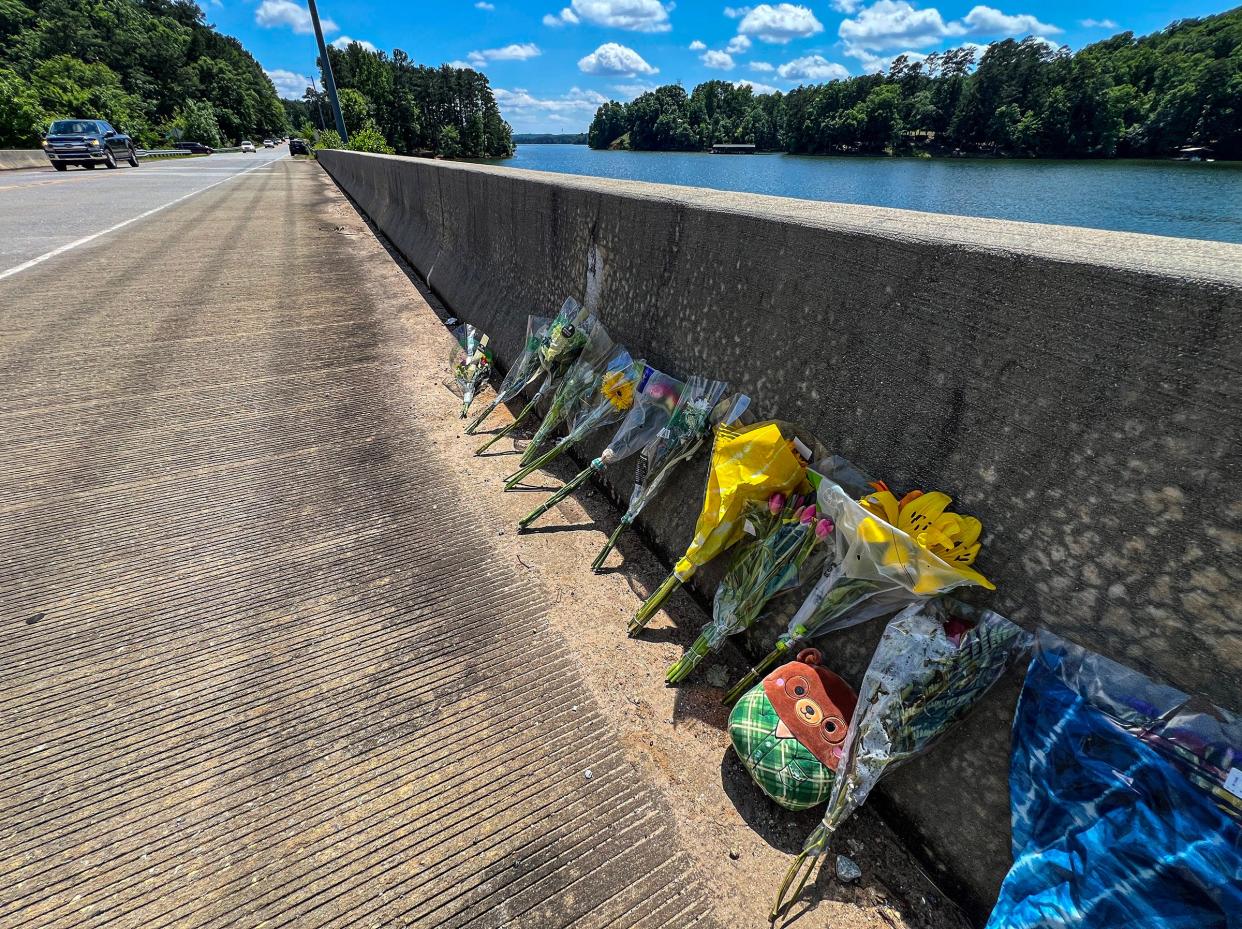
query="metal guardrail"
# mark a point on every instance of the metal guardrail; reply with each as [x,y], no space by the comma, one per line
[163,153]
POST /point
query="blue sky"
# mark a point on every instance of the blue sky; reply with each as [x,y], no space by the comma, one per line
[552,62]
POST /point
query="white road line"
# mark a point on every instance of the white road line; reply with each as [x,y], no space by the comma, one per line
[27,265]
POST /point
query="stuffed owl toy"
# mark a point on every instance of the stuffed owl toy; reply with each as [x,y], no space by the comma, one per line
[788,731]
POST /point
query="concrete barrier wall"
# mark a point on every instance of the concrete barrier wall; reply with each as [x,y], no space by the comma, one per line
[12,158]
[1077,390]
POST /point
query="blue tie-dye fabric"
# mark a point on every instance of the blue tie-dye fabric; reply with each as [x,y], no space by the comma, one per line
[1119,819]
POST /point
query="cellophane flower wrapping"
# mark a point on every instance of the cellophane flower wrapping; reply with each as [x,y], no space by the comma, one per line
[565,339]
[655,399]
[577,382]
[610,398]
[874,569]
[1126,806]
[524,370]
[470,363]
[934,662]
[686,431]
[749,463]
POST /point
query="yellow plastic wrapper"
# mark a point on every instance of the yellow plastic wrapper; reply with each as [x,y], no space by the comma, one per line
[748,464]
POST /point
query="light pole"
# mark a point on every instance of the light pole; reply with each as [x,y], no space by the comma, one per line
[328,84]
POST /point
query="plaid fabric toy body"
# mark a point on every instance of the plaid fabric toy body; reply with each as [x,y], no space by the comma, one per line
[783,767]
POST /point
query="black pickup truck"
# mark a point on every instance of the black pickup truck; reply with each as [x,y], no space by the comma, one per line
[87,142]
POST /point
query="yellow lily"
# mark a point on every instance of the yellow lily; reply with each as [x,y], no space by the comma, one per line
[924,520]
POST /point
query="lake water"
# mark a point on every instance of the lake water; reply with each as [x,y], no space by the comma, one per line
[1187,199]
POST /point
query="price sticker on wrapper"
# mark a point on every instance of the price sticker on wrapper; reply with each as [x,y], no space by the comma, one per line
[1233,783]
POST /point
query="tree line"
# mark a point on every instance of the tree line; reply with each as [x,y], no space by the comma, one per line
[405,107]
[154,68]
[1122,97]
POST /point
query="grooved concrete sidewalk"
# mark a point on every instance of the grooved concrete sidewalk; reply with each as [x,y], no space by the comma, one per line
[256,666]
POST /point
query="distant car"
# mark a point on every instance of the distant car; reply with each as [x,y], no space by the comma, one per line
[247,146]
[268,143]
[87,142]
[298,147]
[196,148]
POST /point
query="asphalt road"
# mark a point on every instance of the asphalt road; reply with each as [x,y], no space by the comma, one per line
[42,210]
[260,663]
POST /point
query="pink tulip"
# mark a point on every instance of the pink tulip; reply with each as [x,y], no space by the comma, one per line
[808,515]
[823,528]
[776,503]
[798,513]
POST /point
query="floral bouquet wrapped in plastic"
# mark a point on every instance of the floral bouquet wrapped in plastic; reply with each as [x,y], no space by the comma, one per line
[888,553]
[749,464]
[524,370]
[578,386]
[566,337]
[607,402]
[470,363]
[933,664]
[657,396]
[699,410]
[788,546]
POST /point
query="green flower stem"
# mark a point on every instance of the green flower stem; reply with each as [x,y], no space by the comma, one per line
[681,669]
[526,411]
[598,564]
[568,488]
[551,454]
[790,876]
[653,604]
[755,674]
[478,420]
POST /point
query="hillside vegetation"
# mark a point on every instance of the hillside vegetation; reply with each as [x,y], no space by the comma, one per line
[147,66]
[408,108]
[1123,97]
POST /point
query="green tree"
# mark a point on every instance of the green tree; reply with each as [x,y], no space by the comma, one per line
[196,121]
[369,139]
[448,144]
[22,119]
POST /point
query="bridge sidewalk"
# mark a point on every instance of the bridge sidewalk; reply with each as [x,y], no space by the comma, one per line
[266,659]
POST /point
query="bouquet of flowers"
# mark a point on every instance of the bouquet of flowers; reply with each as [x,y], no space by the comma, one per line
[567,335]
[698,411]
[608,401]
[580,383]
[470,362]
[888,552]
[524,370]
[785,549]
[749,463]
[933,664]
[658,395]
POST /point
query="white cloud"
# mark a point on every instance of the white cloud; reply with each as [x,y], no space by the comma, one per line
[738,44]
[577,100]
[874,64]
[614,59]
[811,68]
[757,87]
[894,23]
[459,63]
[762,67]
[736,12]
[484,5]
[515,52]
[565,17]
[1097,23]
[289,84]
[990,21]
[634,15]
[721,61]
[780,23]
[343,43]
[631,90]
[272,14]
[697,46]
[846,6]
